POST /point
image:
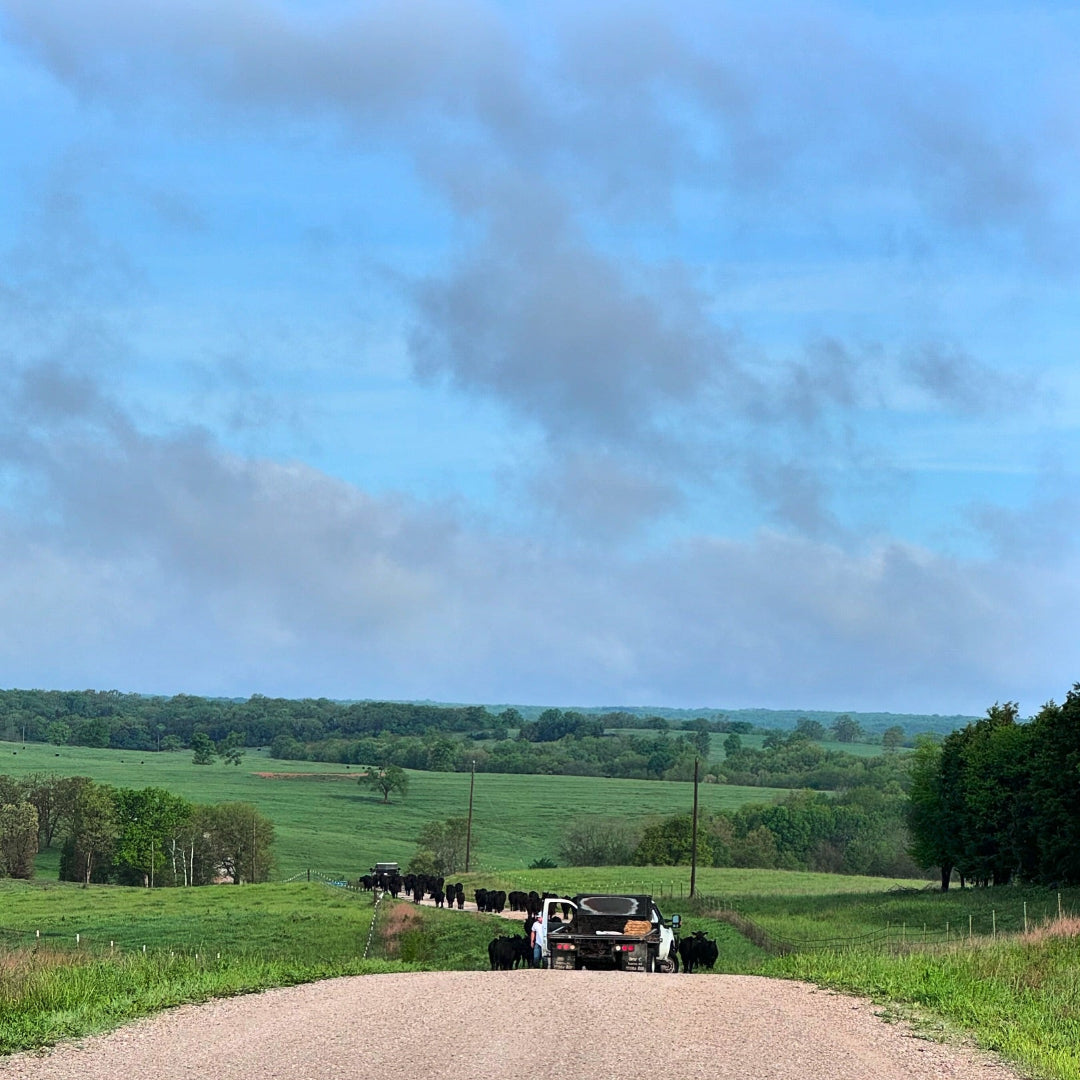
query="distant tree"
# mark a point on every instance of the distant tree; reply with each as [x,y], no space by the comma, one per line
[441,754]
[811,729]
[18,839]
[668,843]
[846,729]
[147,819]
[241,841]
[732,745]
[171,742]
[94,828]
[58,733]
[773,740]
[444,842]
[892,738]
[231,748]
[385,780]
[599,841]
[700,737]
[203,749]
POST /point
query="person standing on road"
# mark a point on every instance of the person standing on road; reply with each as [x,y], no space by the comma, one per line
[538,937]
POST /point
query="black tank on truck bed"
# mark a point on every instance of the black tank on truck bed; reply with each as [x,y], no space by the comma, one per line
[605,930]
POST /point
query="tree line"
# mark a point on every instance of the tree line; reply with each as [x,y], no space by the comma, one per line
[1000,799]
[128,836]
[861,831]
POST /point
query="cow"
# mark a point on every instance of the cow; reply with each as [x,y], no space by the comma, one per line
[459,895]
[697,950]
[438,896]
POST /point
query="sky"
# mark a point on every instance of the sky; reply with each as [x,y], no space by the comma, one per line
[542,353]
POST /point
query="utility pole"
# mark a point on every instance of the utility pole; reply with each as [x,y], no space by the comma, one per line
[693,840]
[468,827]
[253,847]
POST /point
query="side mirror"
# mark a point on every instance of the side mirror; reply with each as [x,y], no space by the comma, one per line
[676,920]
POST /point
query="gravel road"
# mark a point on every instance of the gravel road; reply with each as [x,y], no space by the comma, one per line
[518,1025]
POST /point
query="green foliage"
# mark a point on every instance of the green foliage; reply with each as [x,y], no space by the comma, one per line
[846,729]
[669,842]
[203,749]
[231,748]
[1001,799]
[388,779]
[18,839]
[859,832]
[441,845]
[599,841]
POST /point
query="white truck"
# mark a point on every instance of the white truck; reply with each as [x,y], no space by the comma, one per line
[603,930]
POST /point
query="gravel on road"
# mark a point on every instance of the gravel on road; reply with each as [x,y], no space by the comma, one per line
[539,1025]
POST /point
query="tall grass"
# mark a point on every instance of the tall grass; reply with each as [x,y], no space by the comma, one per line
[1019,997]
[49,996]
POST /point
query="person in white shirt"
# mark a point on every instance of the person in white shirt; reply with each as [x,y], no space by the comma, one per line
[538,937]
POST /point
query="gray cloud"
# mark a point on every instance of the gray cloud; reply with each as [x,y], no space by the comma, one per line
[956,381]
[163,563]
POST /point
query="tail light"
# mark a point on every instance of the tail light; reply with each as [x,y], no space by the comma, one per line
[563,947]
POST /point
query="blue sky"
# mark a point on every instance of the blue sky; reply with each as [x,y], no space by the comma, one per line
[539,353]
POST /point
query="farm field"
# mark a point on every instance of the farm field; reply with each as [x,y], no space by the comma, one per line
[1019,996]
[325,821]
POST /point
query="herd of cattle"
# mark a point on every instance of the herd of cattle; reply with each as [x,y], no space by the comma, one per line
[695,950]
[418,886]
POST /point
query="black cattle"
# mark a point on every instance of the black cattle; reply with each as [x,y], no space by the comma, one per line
[459,895]
[480,896]
[367,883]
[696,950]
[408,883]
[438,896]
[497,902]
[501,954]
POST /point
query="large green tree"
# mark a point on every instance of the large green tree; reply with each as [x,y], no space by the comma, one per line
[386,780]
[94,827]
[18,839]
[445,842]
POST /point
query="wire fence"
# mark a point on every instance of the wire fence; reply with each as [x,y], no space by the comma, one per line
[965,928]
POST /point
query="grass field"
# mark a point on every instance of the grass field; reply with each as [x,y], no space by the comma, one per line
[325,821]
[1019,996]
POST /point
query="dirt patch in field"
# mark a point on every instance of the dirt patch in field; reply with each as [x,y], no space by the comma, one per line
[310,775]
[399,920]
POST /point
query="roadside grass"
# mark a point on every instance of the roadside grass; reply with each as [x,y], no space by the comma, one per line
[199,944]
[1020,998]
[906,915]
[45,998]
[324,821]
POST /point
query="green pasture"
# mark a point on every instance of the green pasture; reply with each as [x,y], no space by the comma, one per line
[325,821]
[1015,995]
[912,915]
[296,920]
